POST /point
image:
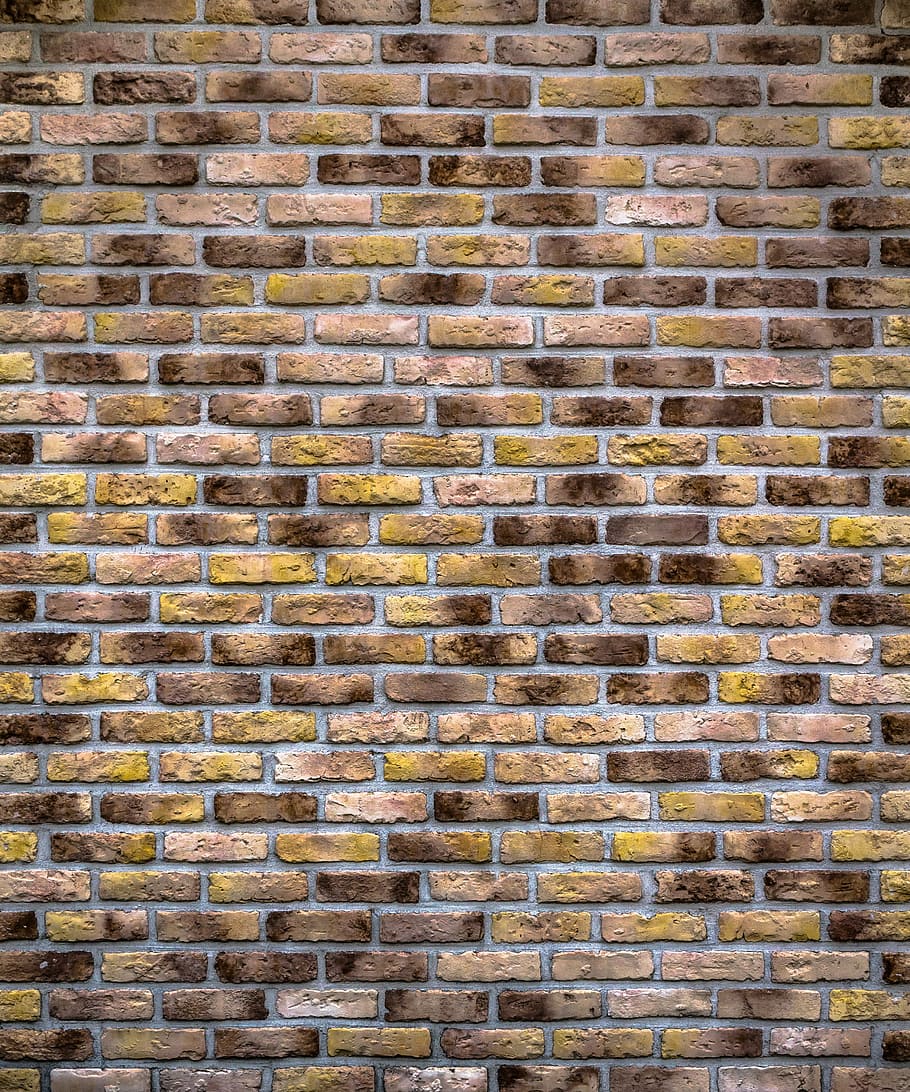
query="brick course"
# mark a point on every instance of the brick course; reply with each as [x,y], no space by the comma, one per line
[453,629]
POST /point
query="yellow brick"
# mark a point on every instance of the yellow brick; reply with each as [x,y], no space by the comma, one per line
[401,530]
[499,570]
[93,208]
[757,530]
[868,1005]
[225,766]
[896,330]
[376,569]
[726,250]
[98,766]
[434,766]
[710,331]
[638,929]
[870,371]
[870,845]
[869,531]
[647,450]
[317,288]
[713,807]
[757,926]
[708,649]
[869,132]
[40,489]
[380,1042]
[268,726]
[262,568]
[16,1005]
[544,450]
[432,209]
[198,607]
[770,610]
[769,450]
[327,847]
[571,91]
[600,1042]
[896,412]
[364,250]
[895,886]
[320,128]
[17,846]
[86,690]
[171,489]
[58,248]
[20,1080]
[369,489]
[73,528]
[18,768]
[17,367]
[15,686]
[321,450]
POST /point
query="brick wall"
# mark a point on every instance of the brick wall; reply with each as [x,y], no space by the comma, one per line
[454,632]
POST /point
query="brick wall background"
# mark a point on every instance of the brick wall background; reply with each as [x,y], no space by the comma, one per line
[455,630]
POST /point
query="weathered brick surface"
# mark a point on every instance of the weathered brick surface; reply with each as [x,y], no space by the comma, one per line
[454,600]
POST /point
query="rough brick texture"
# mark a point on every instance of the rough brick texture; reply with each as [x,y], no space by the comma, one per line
[455,600]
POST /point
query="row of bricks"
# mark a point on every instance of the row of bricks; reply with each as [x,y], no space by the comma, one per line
[565,50]
[414,449]
[464,1007]
[283,726]
[458,289]
[467,805]
[228,209]
[168,1044]
[244,127]
[380,88]
[807,570]
[705,965]
[477,171]
[211,528]
[517,768]
[465,491]
[380,408]
[249,368]
[593,488]
[811,885]
[658,608]
[175,127]
[469,332]
[443,1006]
[537,688]
[716,885]
[702,964]
[511,1078]
[140,647]
[630,12]
[270,251]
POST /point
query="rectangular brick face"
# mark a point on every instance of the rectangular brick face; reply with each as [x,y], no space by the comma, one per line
[454,590]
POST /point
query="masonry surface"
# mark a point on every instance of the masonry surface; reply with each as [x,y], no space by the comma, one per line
[455,600]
